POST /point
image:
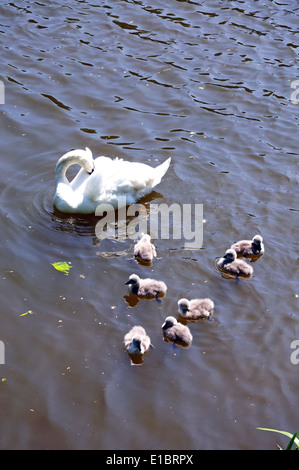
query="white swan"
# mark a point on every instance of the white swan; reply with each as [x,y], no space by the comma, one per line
[102,181]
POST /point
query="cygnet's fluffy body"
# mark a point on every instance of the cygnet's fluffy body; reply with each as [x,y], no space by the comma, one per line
[148,288]
[144,249]
[232,265]
[136,341]
[195,308]
[249,248]
[176,332]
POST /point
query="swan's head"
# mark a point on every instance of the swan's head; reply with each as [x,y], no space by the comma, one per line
[81,157]
[88,162]
[230,255]
[134,280]
[183,305]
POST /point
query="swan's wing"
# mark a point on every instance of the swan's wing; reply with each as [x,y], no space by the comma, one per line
[91,185]
[113,178]
[126,176]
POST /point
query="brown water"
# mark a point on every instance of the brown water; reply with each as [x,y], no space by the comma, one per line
[209,84]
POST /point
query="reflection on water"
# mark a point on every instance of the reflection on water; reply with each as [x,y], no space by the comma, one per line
[208,85]
[82,225]
[182,344]
[113,227]
[228,275]
[252,258]
[136,359]
[133,299]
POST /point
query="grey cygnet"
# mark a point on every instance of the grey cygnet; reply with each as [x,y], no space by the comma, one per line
[249,248]
[137,341]
[195,308]
[144,250]
[148,288]
[232,265]
[176,332]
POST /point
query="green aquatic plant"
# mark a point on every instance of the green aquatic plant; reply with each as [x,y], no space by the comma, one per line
[293,438]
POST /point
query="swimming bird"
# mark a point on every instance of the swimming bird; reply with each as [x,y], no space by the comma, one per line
[232,265]
[148,288]
[102,181]
[176,332]
[144,250]
[249,248]
[136,341]
[195,308]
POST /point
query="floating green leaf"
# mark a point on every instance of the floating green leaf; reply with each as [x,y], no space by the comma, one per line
[62,266]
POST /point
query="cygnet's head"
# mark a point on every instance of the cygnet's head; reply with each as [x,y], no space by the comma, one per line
[257,240]
[169,321]
[136,340]
[230,255]
[134,280]
[183,305]
[146,237]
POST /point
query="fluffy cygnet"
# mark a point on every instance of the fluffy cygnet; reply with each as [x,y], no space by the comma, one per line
[232,265]
[144,249]
[137,341]
[249,248]
[149,288]
[195,308]
[176,332]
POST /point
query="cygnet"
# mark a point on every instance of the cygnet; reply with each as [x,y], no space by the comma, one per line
[232,265]
[249,248]
[144,249]
[149,288]
[137,341]
[195,308]
[176,332]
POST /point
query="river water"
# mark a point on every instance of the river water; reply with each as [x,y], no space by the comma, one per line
[208,84]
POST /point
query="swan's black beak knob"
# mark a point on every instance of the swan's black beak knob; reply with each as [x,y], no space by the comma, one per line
[90,172]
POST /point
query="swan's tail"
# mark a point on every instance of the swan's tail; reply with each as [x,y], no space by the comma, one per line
[160,171]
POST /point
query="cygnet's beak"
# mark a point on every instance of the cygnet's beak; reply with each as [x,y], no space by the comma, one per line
[128,282]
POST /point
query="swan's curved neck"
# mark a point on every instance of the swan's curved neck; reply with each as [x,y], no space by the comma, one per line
[81,157]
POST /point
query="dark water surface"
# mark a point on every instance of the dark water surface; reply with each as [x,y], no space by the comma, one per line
[209,84]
